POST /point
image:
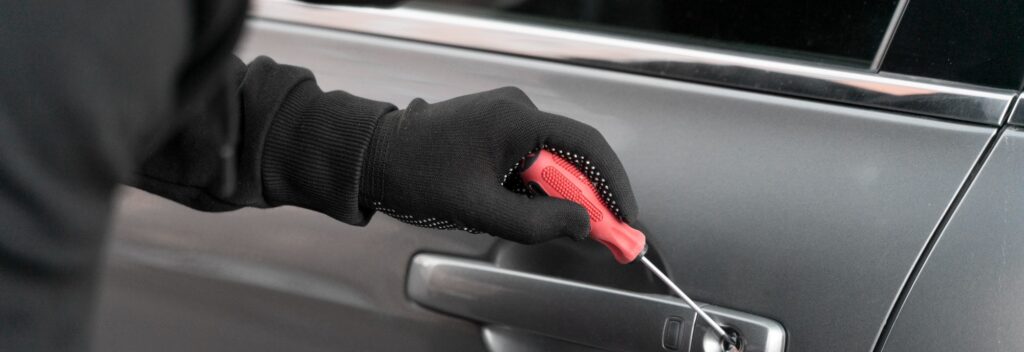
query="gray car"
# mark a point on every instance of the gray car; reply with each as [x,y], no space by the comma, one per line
[822,176]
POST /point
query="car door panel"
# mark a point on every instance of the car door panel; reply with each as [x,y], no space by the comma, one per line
[807,213]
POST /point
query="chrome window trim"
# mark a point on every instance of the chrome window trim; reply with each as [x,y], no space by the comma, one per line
[1017,115]
[915,95]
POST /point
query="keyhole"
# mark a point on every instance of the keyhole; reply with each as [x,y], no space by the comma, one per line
[734,343]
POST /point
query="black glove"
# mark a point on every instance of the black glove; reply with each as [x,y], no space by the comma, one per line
[450,165]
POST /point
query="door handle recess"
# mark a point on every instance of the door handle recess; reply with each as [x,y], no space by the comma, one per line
[585,314]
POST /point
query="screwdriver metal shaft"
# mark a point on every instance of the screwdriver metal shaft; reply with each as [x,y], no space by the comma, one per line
[703,315]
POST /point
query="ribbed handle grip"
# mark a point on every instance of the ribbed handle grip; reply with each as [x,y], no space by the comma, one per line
[556,177]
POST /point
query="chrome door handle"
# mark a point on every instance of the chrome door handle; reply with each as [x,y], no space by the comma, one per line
[577,312]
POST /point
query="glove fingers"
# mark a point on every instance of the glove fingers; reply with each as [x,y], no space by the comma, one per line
[578,141]
[518,218]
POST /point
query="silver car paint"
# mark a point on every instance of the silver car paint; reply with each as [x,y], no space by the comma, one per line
[808,213]
[968,295]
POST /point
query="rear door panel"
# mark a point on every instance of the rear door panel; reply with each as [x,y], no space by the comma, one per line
[967,297]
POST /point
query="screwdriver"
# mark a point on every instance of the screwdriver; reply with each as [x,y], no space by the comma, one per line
[548,174]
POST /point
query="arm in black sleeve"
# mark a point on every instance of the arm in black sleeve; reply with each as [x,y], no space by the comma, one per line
[295,145]
[91,93]
[87,92]
[437,165]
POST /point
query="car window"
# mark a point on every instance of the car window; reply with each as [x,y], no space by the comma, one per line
[978,42]
[839,32]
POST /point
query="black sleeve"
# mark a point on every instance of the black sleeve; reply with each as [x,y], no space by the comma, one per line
[88,91]
[145,92]
[279,140]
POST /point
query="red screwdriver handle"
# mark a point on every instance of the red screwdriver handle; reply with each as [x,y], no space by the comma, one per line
[547,173]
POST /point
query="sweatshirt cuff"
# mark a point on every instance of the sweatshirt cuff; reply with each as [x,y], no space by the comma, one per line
[315,150]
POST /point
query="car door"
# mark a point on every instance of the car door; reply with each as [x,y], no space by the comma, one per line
[791,187]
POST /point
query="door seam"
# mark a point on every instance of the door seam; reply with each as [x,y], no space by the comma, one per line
[933,239]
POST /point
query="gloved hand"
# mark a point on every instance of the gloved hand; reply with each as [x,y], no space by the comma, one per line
[444,166]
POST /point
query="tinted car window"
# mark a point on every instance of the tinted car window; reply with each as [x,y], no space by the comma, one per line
[979,41]
[842,32]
